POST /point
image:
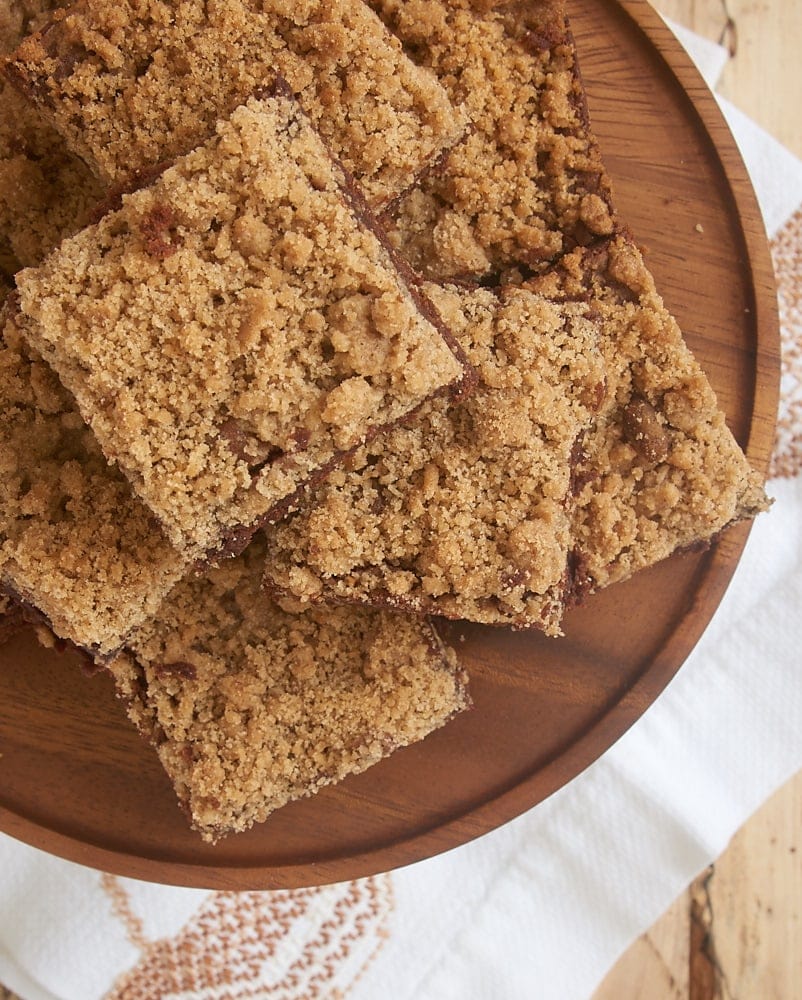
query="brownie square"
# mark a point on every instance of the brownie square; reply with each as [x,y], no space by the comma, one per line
[528,184]
[76,547]
[46,193]
[131,84]
[659,470]
[235,328]
[249,706]
[466,511]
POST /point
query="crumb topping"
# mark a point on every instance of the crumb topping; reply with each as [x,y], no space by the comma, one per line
[250,706]
[207,327]
[73,540]
[660,470]
[45,192]
[465,511]
[528,183]
[131,83]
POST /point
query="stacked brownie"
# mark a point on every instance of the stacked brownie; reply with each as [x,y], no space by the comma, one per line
[354,338]
[658,469]
[136,83]
[529,182]
[207,328]
[78,548]
[465,512]
[250,706]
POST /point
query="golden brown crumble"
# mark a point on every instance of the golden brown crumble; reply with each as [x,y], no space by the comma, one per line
[660,469]
[74,542]
[18,18]
[45,192]
[132,83]
[203,326]
[250,706]
[465,511]
[528,183]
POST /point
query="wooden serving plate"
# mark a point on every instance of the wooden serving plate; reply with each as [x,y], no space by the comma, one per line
[76,780]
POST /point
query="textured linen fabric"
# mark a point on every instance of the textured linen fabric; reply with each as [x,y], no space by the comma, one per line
[542,907]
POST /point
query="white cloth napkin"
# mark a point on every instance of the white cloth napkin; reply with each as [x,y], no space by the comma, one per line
[540,908]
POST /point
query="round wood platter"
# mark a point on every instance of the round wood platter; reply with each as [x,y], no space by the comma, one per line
[76,780]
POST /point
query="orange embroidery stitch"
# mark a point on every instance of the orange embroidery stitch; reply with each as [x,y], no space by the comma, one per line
[303,944]
[786,250]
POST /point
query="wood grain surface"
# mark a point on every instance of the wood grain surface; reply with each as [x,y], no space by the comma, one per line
[77,781]
[763,76]
[736,932]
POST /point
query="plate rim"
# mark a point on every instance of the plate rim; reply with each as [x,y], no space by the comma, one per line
[716,570]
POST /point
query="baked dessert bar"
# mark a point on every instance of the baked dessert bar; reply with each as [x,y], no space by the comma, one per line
[46,193]
[250,707]
[465,512]
[132,83]
[660,470]
[76,546]
[236,327]
[528,184]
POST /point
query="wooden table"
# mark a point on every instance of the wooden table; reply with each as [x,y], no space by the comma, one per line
[736,932]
